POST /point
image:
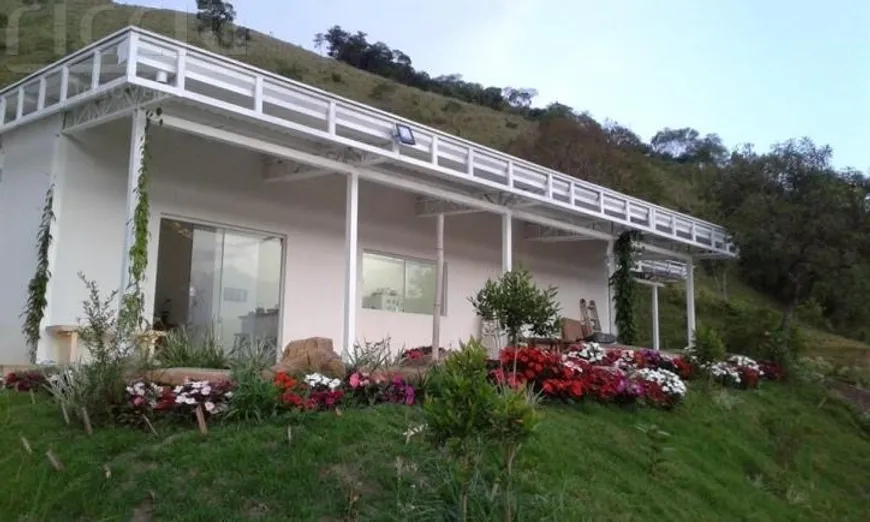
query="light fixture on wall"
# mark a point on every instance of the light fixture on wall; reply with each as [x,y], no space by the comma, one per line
[404,135]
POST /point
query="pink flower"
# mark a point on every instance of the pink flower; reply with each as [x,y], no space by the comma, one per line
[358,379]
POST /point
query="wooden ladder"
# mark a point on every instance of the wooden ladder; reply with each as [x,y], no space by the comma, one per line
[589,313]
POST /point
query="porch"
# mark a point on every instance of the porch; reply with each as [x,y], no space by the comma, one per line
[207,198]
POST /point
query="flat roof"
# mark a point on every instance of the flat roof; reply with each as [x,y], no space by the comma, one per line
[171,68]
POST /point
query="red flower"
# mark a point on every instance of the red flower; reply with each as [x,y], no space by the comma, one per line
[284,381]
[684,368]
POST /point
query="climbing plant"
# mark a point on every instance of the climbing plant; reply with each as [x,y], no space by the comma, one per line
[34,308]
[133,298]
[624,286]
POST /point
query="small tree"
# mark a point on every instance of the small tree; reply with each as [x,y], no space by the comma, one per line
[217,17]
[515,303]
[469,418]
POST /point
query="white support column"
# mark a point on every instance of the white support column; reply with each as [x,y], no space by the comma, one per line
[351,233]
[507,242]
[439,286]
[690,301]
[655,318]
[47,349]
[610,267]
[137,139]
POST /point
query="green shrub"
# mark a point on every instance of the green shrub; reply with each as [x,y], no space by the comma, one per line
[258,355]
[186,348]
[98,383]
[294,71]
[812,313]
[746,329]
[708,346]
[516,303]
[383,90]
[255,398]
[467,417]
[513,419]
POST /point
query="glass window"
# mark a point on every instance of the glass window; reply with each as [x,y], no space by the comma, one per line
[400,284]
[219,280]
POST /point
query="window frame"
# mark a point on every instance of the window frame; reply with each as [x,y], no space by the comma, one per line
[404,259]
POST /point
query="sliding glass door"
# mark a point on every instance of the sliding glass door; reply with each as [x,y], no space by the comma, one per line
[220,280]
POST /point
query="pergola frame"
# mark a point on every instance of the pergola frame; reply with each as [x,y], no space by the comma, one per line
[133,70]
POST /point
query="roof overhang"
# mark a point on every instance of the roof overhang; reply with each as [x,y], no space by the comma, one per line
[223,99]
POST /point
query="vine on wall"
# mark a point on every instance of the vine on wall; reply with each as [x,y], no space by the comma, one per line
[624,286]
[130,316]
[34,308]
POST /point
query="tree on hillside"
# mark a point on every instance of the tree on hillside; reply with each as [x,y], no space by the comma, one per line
[687,146]
[580,146]
[218,17]
[519,98]
[378,58]
[797,221]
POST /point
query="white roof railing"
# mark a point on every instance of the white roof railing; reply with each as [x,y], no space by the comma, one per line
[137,57]
[661,269]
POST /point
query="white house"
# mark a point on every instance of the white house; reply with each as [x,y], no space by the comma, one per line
[284,211]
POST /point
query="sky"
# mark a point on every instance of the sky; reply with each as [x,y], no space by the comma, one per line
[750,71]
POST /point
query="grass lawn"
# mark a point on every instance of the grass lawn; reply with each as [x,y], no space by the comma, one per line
[587,462]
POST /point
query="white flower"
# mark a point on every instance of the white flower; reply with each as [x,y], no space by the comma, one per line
[318,379]
[568,362]
[228,395]
[741,361]
[592,352]
[724,370]
[669,381]
[205,390]
[177,389]
[209,406]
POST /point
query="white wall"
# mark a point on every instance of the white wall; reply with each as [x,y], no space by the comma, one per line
[199,180]
[26,172]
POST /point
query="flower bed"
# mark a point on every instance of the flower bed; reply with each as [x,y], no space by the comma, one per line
[312,392]
[586,371]
[148,398]
[621,376]
[419,356]
[25,380]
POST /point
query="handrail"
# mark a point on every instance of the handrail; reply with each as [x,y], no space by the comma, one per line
[243,89]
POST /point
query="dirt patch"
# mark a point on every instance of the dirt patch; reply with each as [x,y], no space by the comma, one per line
[349,477]
[858,397]
[145,510]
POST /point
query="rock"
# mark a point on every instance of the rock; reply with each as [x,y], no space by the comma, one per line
[314,354]
[412,374]
[177,376]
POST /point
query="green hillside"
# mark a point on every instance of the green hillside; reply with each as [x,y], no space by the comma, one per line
[666,183]
[770,454]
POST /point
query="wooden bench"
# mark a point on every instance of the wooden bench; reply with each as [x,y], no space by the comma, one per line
[68,335]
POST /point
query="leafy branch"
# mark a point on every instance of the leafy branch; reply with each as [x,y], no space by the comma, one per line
[34,309]
[624,286]
[133,298]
